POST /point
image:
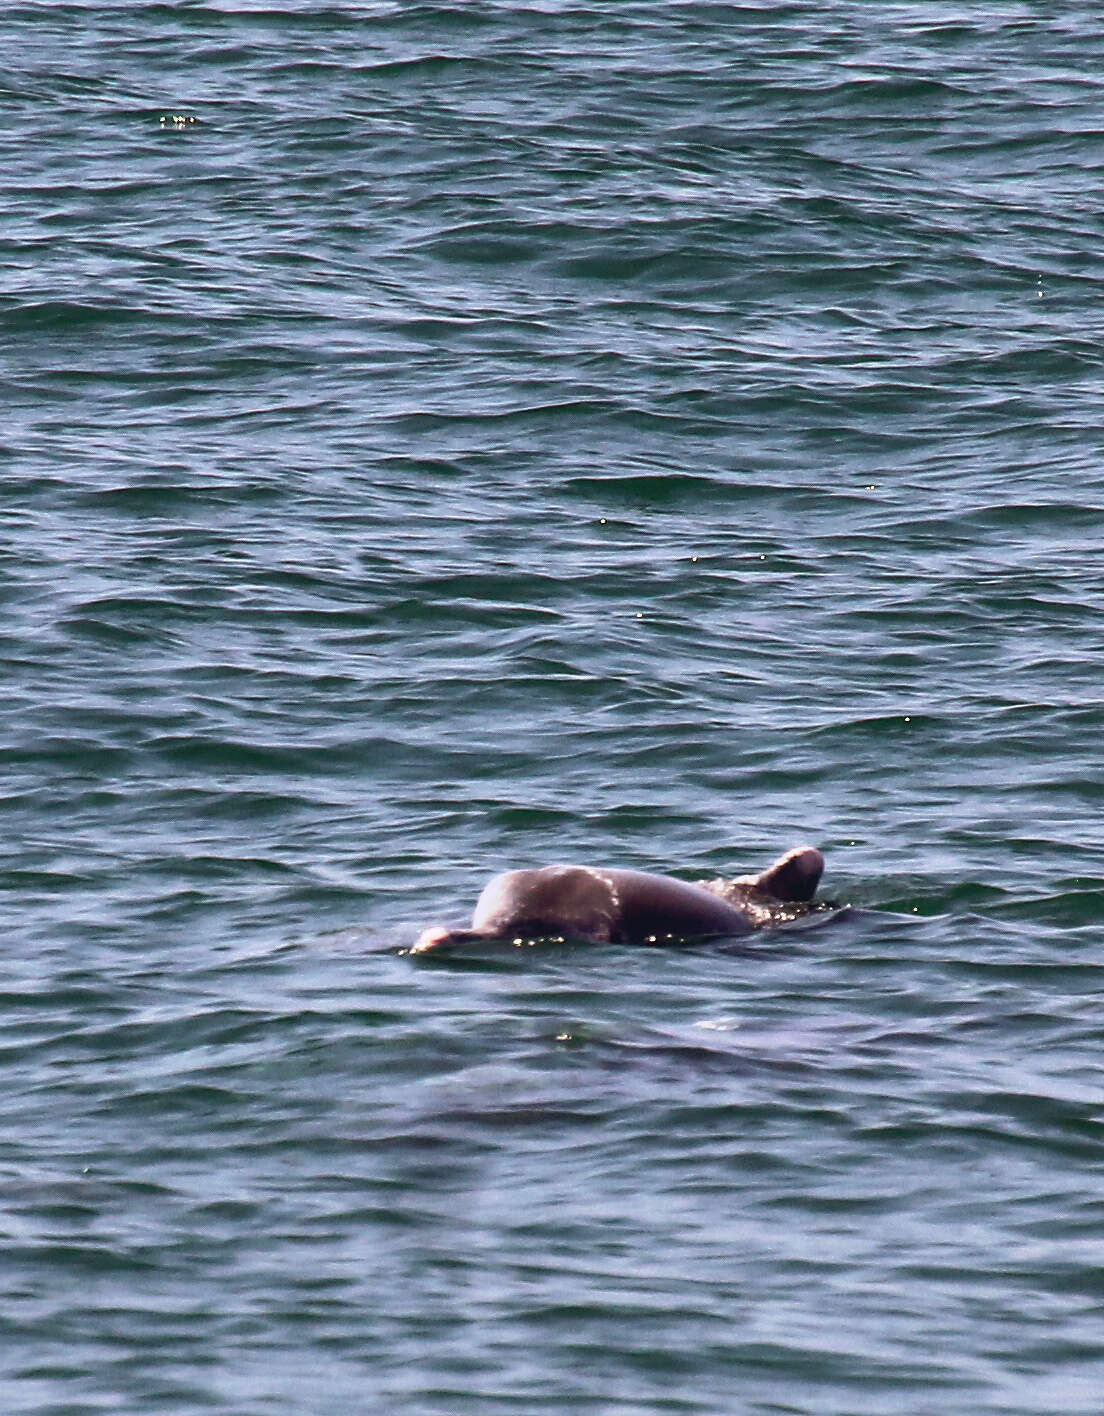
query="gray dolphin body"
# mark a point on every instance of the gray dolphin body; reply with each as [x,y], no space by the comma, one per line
[632,906]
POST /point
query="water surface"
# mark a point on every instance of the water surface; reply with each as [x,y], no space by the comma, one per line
[652,435]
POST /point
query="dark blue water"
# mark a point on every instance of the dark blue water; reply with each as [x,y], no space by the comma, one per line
[440,438]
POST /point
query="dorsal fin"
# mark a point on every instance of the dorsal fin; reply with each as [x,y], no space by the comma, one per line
[793,876]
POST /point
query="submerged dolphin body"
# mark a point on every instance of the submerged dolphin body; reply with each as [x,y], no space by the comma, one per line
[632,906]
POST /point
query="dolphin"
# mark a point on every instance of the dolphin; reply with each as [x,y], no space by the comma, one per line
[597,906]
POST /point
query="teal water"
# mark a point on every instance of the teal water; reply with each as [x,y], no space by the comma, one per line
[651,434]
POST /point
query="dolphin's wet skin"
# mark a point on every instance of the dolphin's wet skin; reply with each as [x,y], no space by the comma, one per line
[581,902]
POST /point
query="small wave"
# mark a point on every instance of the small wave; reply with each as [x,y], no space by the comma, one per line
[63,317]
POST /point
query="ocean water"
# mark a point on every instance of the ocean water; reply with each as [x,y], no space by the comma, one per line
[445,437]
